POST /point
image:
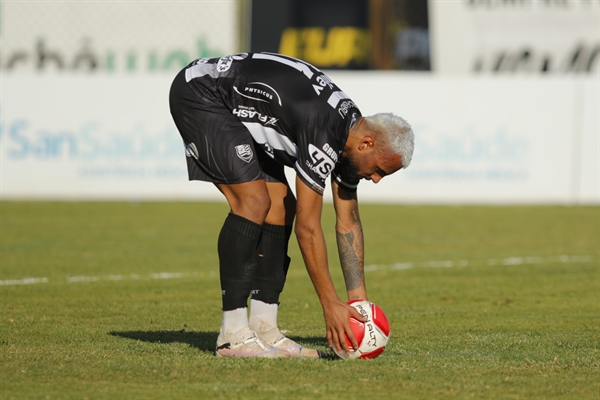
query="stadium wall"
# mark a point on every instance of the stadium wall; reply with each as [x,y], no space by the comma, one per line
[506,116]
[482,140]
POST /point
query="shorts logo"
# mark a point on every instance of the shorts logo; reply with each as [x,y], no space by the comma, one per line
[244,152]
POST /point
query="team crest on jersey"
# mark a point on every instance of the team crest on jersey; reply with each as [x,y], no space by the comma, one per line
[244,152]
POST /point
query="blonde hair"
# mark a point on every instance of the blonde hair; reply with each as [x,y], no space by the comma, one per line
[396,132]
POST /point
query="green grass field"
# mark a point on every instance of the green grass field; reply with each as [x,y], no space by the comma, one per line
[122,301]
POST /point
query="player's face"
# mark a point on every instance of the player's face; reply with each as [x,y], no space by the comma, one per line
[374,166]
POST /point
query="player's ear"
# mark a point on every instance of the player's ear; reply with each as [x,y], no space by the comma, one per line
[367,142]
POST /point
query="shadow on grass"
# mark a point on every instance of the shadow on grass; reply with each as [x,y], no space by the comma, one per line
[204,341]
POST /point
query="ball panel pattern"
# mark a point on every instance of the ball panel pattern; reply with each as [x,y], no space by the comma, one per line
[372,335]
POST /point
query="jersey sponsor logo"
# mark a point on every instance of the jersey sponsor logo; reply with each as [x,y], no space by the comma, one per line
[259,91]
[252,114]
[330,152]
[321,163]
[224,63]
[244,152]
[322,80]
[345,106]
[192,151]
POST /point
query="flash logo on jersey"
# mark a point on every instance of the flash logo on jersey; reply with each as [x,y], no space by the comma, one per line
[251,113]
[244,152]
[321,163]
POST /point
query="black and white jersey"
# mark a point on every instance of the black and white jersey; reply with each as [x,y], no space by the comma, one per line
[292,110]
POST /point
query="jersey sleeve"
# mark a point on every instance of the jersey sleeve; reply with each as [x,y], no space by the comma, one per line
[320,149]
[317,157]
[342,177]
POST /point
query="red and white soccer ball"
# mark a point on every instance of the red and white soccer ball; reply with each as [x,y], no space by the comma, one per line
[372,336]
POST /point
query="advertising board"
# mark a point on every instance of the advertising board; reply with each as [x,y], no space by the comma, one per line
[483,141]
[113,36]
[515,36]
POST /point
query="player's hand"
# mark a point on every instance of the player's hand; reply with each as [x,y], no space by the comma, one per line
[337,323]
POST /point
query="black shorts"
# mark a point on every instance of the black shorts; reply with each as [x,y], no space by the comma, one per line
[218,146]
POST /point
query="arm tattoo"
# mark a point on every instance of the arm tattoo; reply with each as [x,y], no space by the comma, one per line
[351,250]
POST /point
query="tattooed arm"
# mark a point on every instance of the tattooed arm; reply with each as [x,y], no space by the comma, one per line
[350,241]
[314,251]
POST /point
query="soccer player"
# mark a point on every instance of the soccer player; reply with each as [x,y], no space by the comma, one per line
[242,119]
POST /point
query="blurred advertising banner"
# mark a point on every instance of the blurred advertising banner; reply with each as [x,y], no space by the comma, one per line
[515,36]
[82,115]
[480,141]
[344,34]
[489,140]
[113,36]
[325,33]
[108,137]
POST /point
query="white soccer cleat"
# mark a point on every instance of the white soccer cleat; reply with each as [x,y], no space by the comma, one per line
[279,341]
[247,344]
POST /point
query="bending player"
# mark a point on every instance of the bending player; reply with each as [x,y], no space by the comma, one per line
[242,119]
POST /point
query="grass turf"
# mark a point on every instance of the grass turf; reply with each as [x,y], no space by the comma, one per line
[484,302]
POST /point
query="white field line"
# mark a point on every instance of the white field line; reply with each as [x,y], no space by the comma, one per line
[131,277]
[371,267]
[491,262]
[25,281]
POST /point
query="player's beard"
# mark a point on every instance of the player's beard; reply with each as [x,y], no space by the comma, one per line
[349,168]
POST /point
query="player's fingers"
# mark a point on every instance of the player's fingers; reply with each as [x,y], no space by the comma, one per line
[329,338]
[351,337]
[335,343]
[354,312]
[343,341]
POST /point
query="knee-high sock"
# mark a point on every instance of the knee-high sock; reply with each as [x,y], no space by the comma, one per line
[237,248]
[273,263]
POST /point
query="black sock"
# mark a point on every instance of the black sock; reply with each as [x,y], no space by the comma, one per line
[273,263]
[237,247]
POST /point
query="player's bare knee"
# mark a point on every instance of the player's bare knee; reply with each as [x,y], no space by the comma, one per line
[257,205]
